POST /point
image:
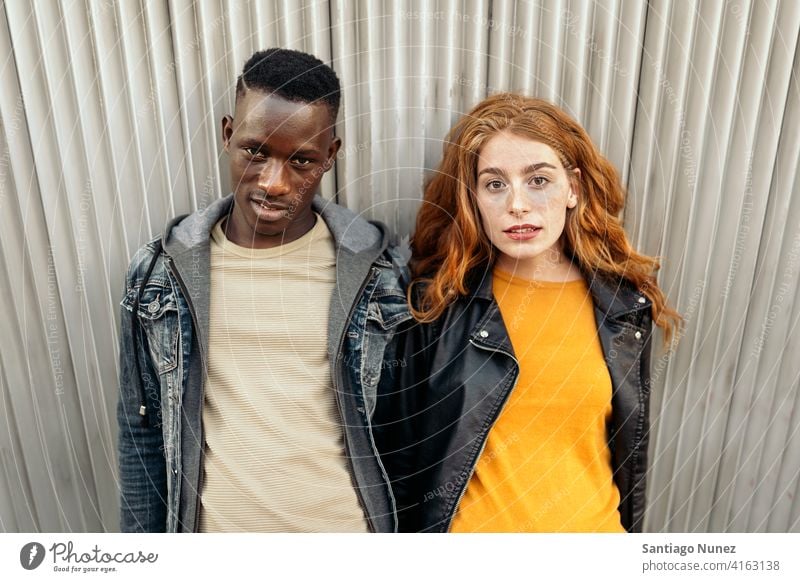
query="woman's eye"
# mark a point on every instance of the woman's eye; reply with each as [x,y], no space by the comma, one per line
[494,185]
[539,181]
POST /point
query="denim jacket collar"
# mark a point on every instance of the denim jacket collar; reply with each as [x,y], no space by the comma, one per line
[358,245]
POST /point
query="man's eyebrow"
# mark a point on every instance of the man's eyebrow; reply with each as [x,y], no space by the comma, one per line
[252,141]
[257,143]
[307,151]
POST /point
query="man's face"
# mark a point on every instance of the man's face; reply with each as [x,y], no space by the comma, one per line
[279,151]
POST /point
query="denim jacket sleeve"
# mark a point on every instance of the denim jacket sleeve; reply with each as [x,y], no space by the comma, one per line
[142,469]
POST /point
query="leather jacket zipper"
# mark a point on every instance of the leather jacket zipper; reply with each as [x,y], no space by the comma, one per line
[485,436]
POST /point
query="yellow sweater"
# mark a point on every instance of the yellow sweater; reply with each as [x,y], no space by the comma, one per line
[547,466]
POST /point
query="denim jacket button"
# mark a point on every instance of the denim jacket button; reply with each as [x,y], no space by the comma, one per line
[483,333]
[638,335]
[154,306]
[641,300]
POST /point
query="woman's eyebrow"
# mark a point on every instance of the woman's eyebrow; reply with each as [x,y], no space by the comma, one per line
[497,171]
[528,170]
[539,166]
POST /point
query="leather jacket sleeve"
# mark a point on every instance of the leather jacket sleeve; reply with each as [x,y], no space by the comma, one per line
[142,468]
[640,470]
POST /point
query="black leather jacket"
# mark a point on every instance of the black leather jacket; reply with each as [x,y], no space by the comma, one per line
[454,376]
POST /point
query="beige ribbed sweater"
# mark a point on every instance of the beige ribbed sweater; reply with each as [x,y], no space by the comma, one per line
[274,455]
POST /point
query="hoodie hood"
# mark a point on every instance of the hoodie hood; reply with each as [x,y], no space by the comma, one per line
[350,231]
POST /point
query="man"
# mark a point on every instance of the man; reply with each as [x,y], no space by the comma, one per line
[255,333]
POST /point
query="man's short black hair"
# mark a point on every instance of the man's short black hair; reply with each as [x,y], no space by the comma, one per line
[293,75]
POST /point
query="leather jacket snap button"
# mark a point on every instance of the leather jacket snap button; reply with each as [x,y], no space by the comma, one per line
[638,335]
[641,300]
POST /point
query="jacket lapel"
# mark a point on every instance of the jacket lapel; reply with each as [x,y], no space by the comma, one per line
[188,245]
[358,245]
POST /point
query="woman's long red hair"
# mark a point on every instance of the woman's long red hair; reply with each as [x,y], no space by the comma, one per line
[449,240]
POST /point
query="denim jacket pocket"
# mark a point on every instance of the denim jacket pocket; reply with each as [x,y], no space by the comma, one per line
[385,312]
[158,316]
[388,308]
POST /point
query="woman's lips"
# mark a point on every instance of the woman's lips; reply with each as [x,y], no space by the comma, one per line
[522,232]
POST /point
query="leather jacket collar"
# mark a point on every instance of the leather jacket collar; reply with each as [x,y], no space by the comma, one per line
[612,298]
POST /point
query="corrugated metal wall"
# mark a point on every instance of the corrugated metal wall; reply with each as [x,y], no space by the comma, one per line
[109,117]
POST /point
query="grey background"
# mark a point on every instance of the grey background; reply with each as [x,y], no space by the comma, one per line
[109,117]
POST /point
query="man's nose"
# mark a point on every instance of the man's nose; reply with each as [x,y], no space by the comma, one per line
[273,178]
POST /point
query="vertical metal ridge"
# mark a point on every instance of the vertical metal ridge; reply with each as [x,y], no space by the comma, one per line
[92,350]
[135,145]
[785,21]
[500,57]
[649,97]
[523,77]
[723,140]
[376,113]
[666,171]
[785,512]
[49,274]
[746,136]
[75,220]
[721,155]
[19,503]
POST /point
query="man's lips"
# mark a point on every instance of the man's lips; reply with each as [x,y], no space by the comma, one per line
[267,211]
[268,204]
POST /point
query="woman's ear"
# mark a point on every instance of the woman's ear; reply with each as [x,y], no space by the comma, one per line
[574,188]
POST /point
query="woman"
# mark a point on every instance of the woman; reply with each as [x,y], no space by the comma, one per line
[522,401]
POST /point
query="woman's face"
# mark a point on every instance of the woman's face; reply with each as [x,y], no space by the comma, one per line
[523,193]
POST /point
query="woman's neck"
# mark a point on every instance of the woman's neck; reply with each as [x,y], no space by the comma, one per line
[549,266]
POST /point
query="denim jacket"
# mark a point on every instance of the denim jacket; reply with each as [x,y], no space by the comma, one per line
[163,364]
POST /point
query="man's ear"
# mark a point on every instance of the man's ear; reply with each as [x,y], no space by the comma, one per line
[227,131]
[574,188]
[336,143]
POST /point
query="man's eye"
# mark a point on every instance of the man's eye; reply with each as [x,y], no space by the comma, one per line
[253,152]
[539,181]
[301,162]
